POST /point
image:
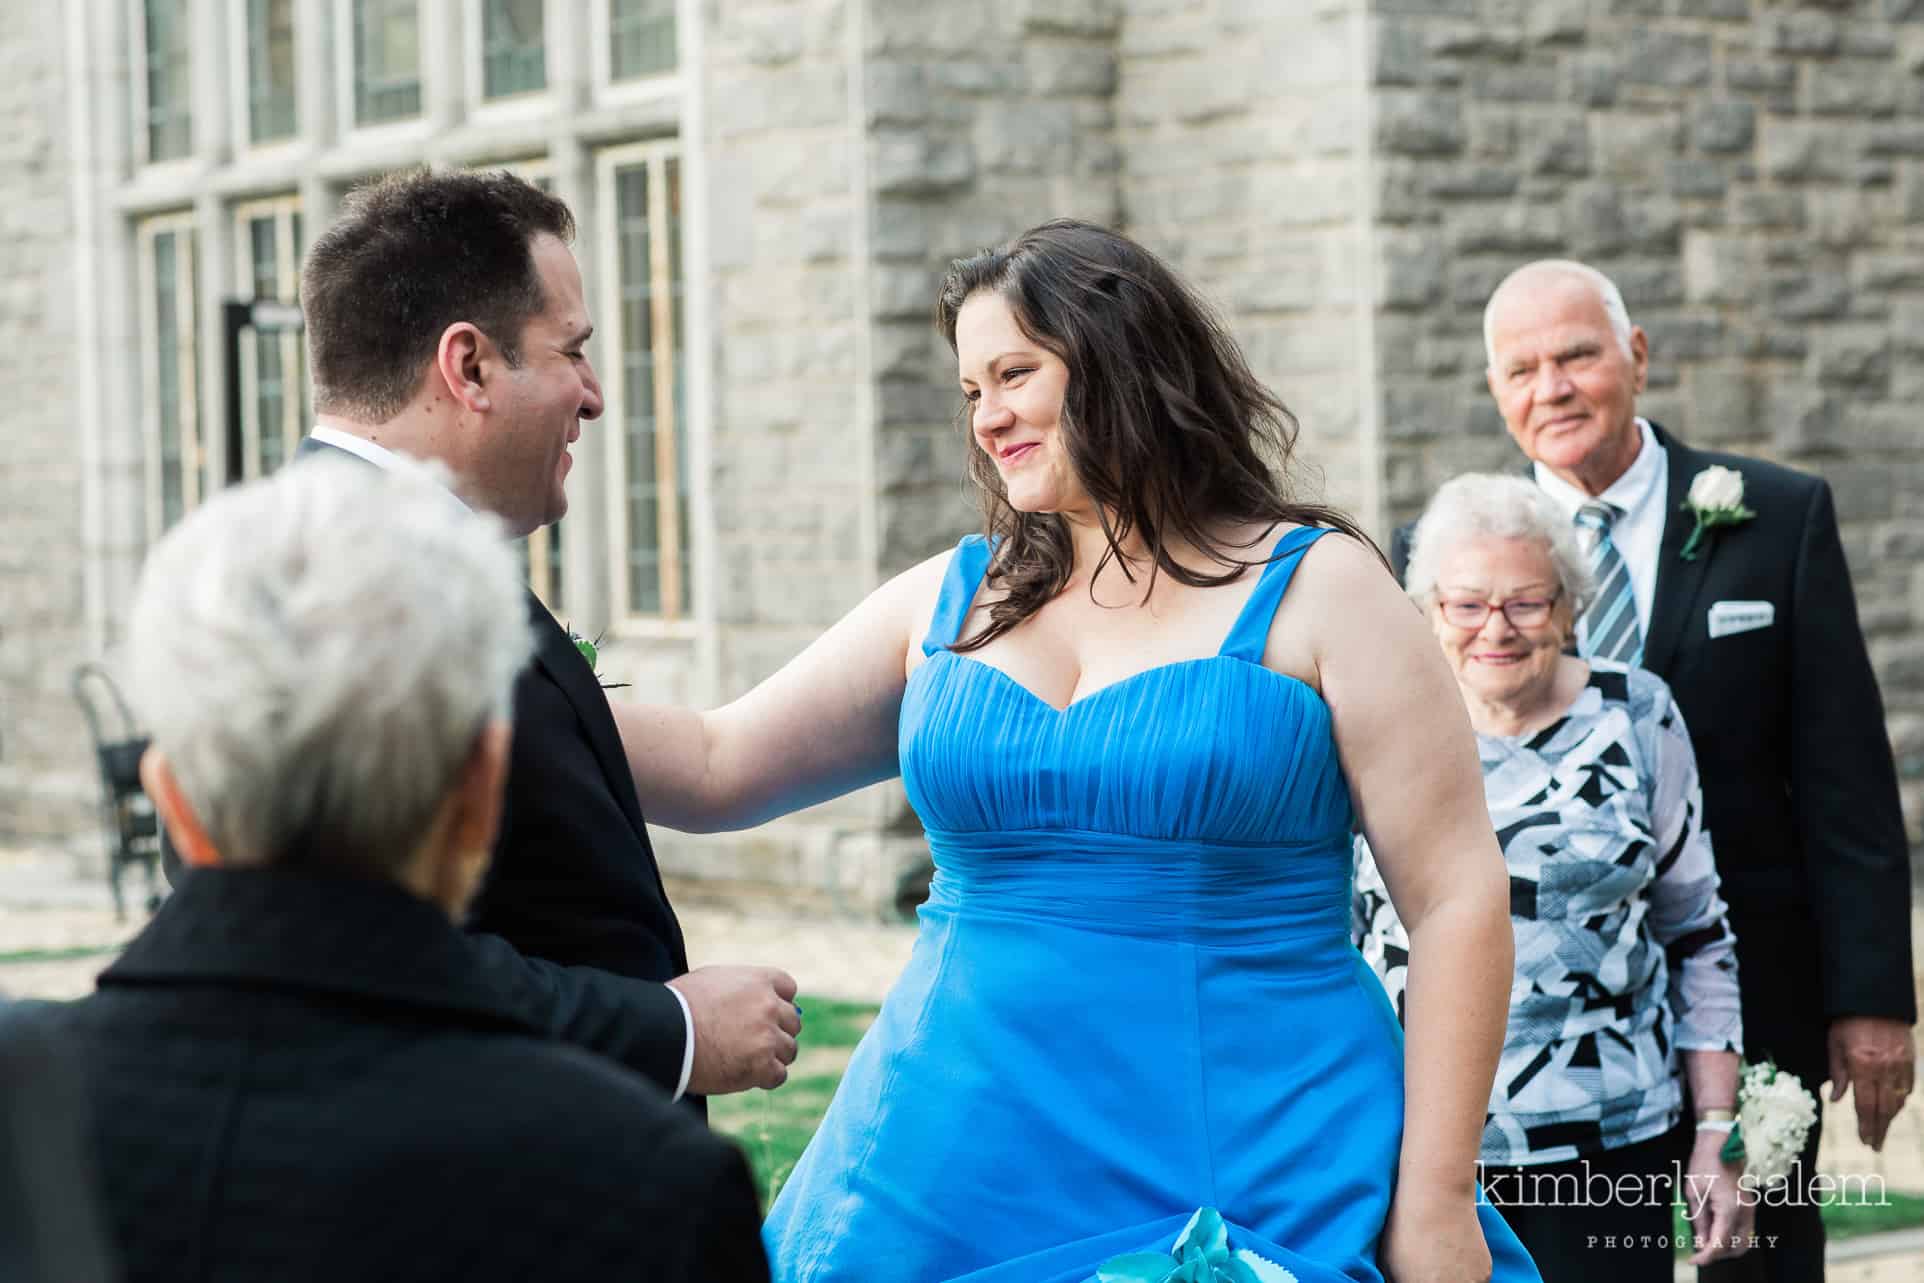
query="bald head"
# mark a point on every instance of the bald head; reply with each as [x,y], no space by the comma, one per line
[1556,274]
[1566,368]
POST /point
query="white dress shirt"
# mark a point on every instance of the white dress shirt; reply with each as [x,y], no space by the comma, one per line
[382,457]
[1641,492]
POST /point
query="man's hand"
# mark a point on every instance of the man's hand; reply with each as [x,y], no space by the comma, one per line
[745,1027]
[1875,1057]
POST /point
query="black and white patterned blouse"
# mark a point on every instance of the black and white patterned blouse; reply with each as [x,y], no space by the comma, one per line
[1624,956]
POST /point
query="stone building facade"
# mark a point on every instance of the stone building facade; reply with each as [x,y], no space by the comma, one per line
[1347,179]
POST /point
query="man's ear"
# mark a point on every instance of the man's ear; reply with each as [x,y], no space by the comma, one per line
[1639,356]
[484,780]
[462,359]
[473,818]
[184,828]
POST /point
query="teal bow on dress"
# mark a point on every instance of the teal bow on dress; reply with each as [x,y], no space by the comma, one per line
[1201,1255]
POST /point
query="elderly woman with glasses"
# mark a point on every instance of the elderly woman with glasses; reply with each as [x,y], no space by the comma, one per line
[1626,971]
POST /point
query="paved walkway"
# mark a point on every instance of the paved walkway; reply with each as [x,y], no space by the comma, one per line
[57,932]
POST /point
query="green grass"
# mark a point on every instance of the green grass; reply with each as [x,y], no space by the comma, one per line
[1905,1211]
[829,1023]
[772,1127]
[59,955]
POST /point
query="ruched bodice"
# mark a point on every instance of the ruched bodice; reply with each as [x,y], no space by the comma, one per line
[1133,992]
[980,753]
[1248,762]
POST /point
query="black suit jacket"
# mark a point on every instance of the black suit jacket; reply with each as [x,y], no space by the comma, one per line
[574,877]
[299,1077]
[50,1225]
[574,880]
[1800,791]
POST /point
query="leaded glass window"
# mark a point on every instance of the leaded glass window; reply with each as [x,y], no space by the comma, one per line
[168,34]
[653,507]
[513,49]
[274,395]
[270,70]
[387,60]
[170,368]
[641,38]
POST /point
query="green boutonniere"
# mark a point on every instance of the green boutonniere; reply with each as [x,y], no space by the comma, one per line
[1716,498]
[586,647]
[592,655]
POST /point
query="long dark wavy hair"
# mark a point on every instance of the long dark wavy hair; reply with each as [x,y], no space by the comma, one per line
[1163,422]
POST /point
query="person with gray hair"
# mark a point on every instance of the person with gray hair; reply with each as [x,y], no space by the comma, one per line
[286,1064]
[1626,971]
[1725,575]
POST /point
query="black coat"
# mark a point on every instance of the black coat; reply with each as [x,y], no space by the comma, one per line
[1800,791]
[301,1076]
[574,879]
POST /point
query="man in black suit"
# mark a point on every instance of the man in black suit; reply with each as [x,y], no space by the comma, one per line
[1754,626]
[296,1071]
[446,321]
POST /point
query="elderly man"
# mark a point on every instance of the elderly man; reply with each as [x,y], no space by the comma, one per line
[446,320]
[296,1071]
[1724,576]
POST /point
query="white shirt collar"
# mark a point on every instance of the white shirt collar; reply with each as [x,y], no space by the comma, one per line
[379,455]
[1629,492]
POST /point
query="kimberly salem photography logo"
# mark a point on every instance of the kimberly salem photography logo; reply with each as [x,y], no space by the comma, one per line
[1588,1188]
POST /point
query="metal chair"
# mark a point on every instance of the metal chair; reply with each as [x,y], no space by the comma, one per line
[133,830]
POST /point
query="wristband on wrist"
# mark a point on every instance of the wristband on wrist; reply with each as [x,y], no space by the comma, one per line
[1724,1125]
[1716,1115]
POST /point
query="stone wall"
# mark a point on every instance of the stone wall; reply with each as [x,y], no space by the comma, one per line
[1245,160]
[1750,173]
[47,784]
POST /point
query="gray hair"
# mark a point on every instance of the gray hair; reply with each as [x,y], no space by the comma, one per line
[316,655]
[1487,503]
[1606,291]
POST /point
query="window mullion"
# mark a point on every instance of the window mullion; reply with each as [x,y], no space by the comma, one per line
[661,305]
[294,372]
[187,324]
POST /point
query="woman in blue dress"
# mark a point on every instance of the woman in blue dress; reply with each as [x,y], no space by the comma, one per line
[1138,720]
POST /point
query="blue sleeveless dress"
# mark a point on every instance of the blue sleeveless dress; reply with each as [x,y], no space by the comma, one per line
[1133,993]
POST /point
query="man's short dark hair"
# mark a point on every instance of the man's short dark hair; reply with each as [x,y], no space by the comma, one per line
[411,254]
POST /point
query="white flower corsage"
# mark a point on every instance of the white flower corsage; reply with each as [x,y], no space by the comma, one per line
[1774,1117]
[1716,499]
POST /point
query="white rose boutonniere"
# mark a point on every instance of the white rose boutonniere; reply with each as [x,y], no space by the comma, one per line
[1716,499]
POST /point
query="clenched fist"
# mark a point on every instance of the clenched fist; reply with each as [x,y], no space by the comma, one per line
[745,1027]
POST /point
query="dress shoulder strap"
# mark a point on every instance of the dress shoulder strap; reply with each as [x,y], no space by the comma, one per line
[967,566]
[1250,636]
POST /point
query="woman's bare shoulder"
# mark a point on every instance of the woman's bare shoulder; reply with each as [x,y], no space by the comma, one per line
[1341,595]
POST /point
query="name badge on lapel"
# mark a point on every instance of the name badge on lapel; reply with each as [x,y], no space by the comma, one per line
[1728,617]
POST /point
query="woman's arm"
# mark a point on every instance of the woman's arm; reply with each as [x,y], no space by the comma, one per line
[1687,917]
[822,725]
[1410,759]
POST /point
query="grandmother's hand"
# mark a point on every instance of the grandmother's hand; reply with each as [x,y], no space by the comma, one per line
[1721,1215]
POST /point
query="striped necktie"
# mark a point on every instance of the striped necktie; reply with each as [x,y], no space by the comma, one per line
[1608,629]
